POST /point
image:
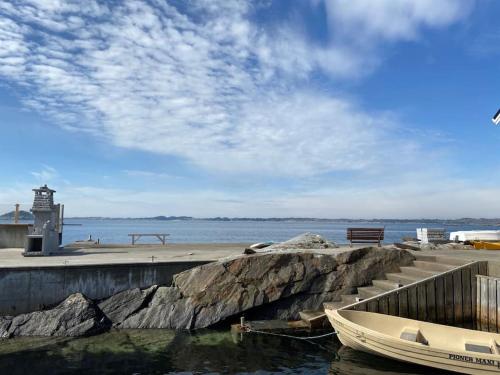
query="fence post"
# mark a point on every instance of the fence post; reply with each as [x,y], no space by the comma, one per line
[16,214]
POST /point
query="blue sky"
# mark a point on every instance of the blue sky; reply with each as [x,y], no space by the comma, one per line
[311,108]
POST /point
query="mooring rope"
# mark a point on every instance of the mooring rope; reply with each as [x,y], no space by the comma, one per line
[291,336]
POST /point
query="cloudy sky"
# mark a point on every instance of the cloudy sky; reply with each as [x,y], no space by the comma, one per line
[311,108]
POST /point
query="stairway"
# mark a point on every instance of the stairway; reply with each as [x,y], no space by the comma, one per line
[423,266]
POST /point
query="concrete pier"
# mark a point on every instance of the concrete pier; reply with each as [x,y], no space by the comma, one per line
[29,284]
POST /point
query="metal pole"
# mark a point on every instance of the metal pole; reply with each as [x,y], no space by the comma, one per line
[16,214]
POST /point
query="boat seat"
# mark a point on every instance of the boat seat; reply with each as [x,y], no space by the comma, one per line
[478,348]
[413,335]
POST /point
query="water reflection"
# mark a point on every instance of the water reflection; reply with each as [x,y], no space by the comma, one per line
[164,352]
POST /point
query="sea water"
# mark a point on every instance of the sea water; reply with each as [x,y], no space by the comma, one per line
[213,231]
[200,352]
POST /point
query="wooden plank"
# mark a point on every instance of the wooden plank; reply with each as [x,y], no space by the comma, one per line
[412,303]
[440,301]
[483,268]
[467,295]
[383,305]
[431,301]
[372,306]
[498,307]
[478,303]
[492,305]
[422,302]
[484,303]
[392,301]
[403,303]
[457,298]
[473,279]
[448,297]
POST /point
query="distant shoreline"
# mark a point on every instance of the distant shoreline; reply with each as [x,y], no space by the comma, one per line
[474,221]
[478,221]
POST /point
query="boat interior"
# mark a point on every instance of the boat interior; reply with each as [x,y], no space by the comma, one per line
[433,335]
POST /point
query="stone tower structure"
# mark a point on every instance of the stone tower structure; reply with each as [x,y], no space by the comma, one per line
[43,208]
[45,237]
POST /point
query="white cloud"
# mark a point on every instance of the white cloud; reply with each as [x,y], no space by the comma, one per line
[206,82]
[45,174]
[149,174]
[389,19]
[448,198]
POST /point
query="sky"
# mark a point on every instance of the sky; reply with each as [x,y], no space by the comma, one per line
[306,108]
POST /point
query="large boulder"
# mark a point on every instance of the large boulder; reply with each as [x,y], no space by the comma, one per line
[280,284]
[75,316]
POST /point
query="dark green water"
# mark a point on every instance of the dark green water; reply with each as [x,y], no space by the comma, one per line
[167,352]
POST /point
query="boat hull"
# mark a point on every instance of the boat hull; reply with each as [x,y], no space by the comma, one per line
[475,235]
[361,338]
[484,245]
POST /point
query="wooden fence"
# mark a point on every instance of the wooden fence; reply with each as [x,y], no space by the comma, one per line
[488,303]
[448,298]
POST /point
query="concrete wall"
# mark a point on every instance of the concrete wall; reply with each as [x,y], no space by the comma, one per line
[13,235]
[26,289]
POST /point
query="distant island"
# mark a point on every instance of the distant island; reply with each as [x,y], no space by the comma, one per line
[23,215]
[461,221]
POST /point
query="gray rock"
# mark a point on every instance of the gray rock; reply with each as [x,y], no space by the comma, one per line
[427,246]
[306,241]
[122,305]
[166,310]
[274,285]
[75,316]
[5,323]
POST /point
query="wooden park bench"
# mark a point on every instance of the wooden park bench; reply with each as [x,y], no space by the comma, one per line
[161,236]
[365,235]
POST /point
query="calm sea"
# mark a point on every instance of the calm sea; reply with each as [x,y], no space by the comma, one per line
[206,231]
[207,352]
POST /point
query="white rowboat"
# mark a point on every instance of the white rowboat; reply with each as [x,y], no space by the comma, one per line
[435,345]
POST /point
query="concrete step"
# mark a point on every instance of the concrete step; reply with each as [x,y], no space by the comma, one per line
[403,279]
[313,318]
[386,285]
[432,266]
[350,298]
[418,272]
[426,258]
[451,261]
[369,291]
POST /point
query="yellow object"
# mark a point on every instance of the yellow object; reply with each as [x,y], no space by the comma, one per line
[481,245]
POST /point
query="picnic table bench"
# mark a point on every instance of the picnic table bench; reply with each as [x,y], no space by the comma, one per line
[365,235]
[426,235]
[161,236]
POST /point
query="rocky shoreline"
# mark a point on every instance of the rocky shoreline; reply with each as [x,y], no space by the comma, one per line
[276,284]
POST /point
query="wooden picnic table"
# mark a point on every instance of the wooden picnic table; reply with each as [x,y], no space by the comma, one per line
[161,236]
